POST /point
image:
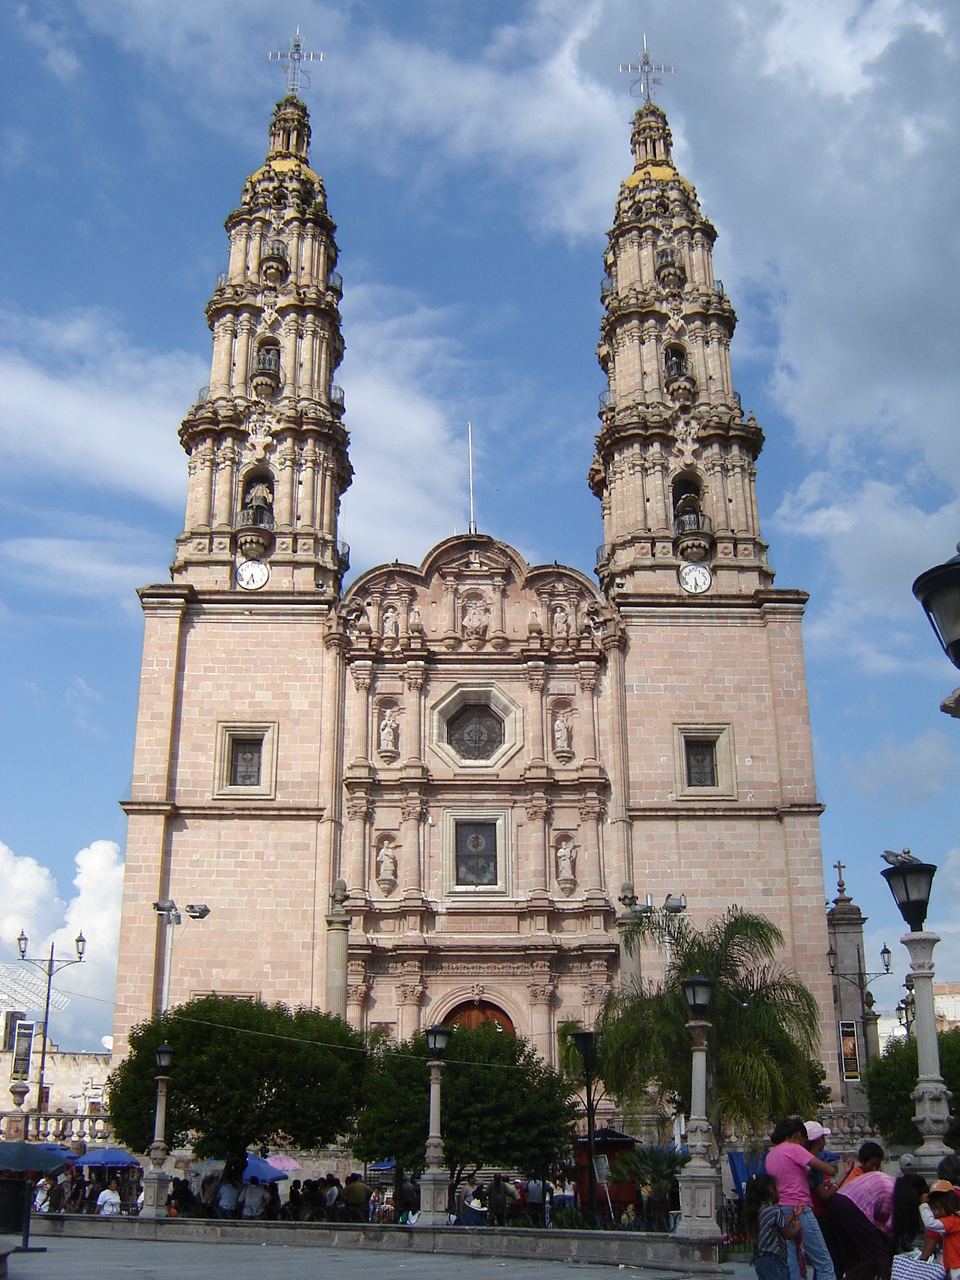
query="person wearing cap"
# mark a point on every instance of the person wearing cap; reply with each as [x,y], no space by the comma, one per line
[789,1161]
[944,1200]
[825,1188]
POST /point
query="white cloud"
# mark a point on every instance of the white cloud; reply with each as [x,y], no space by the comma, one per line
[105,568]
[31,901]
[906,773]
[408,491]
[79,400]
[52,42]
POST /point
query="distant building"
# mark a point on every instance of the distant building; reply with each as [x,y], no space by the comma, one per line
[435,795]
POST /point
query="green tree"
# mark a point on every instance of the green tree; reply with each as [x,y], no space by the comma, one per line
[244,1073]
[890,1080]
[765,1026]
[501,1105]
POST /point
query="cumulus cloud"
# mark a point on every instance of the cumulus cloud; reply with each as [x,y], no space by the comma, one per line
[906,773]
[32,902]
[408,491]
[78,399]
[105,568]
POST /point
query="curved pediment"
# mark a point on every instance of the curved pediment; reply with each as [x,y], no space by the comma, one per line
[473,592]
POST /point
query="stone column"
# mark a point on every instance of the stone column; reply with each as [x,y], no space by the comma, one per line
[591,811]
[358,990]
[287,467]
[204,483]
[359,811]
[538,814]
[498,636]
[449,609]
[288,356]
[931,1095]
[362,673]
[621,831]
[411,812]
[242,356]
[541,1021]
[409,995]
[308,486]
[338,926]
[414,673]
[223,340]
[226,465]
[536,682]
[587,677]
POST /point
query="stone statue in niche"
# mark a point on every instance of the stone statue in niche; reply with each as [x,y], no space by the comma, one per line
[389,734]
[389,624]
[563,735]
[387,867]
[561,623]
[566,860]
[416,622]
[475,619]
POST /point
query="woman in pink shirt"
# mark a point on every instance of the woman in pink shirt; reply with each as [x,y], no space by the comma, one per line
[789,1161]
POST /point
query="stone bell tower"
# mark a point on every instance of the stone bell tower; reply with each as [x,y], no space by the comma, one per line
[266,445]
[674,466]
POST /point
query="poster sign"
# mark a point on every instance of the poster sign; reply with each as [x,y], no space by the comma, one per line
[22,1046]
[849,1051]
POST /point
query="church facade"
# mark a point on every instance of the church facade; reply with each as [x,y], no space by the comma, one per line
[437,794]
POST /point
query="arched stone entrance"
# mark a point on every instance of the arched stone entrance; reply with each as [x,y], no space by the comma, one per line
[472,1013]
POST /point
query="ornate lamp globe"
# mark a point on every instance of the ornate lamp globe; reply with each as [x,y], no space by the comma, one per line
[938,591]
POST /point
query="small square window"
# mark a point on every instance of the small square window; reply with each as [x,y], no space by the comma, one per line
[705,763]
[701,756]
[476,854]
[245,762]
[246,759]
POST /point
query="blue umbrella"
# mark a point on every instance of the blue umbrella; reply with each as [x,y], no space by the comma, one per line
[263,1170]
[107,1158]
[60,1149]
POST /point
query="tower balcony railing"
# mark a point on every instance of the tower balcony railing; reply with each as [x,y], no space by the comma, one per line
[255,518]
[607,399]
[718,287]
[203,395]
[335,283]
[603,553]
[222,278]
[606,288]
[336,396]
[692,522]
[275,251]
[267,361]
[343,555]
[669,255]
[736,396]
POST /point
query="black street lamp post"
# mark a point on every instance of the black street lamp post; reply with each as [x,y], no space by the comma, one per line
[860,980]
[586,1042]
[155,1181]
[698,1181]
[434,1184]
[49,966]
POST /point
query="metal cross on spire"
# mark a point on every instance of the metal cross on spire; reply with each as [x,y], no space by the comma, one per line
[647,71]
[292,64]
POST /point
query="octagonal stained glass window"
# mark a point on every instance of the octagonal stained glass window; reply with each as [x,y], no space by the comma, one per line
[475,732]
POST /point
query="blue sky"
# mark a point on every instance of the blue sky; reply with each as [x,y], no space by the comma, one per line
[471,155]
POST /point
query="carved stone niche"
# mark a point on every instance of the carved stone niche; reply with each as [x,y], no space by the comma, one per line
[388,730]
[390,626]
[562,625]
[387,864]
[565,858]
[474,619]
[561,730]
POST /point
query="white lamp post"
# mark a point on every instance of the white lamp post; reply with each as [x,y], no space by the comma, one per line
[910,882]
[156,1183]
[698,1181]
[49,966]
[435,1183]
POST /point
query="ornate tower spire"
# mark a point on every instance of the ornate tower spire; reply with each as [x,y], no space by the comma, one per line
[266,443]
[674,465]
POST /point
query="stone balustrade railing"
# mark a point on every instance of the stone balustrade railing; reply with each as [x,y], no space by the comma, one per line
[55,1126]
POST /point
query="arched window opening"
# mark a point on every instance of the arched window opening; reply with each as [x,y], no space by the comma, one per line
[675,362]
[256,507]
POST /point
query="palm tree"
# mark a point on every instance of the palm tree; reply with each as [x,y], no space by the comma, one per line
[765,1026]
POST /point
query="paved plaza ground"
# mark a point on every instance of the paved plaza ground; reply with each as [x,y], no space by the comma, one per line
[73,1259]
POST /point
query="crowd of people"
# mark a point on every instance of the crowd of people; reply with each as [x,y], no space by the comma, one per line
[805,1212]
[106,1192]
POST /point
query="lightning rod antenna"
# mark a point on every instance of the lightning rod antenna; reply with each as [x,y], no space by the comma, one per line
[473,523]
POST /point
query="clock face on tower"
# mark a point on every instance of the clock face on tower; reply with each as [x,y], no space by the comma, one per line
[252,575]
[695,578]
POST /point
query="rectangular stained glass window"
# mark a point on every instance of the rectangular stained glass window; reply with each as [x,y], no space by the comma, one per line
[701,756]
[246,755]
[476,853]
